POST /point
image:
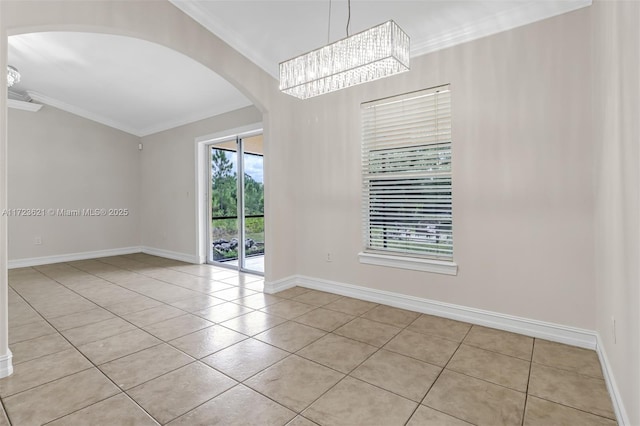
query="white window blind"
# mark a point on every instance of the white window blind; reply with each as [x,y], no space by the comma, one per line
[406,172]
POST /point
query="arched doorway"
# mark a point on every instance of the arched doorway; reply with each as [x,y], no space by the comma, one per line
[171,29]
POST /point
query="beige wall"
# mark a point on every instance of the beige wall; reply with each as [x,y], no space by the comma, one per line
[168,184]
[522,176]
[168,181]
[524,155]
[62,161]
[616,84]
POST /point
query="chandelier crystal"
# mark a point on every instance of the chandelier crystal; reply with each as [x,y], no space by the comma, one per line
[13,76]
[378,52]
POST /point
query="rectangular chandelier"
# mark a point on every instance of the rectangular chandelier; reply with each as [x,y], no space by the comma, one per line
[372,54]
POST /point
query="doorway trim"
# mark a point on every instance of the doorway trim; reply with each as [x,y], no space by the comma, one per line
[202,190]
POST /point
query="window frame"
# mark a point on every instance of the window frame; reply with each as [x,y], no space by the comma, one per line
[438,259]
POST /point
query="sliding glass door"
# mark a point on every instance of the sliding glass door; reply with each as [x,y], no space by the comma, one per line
[236,233]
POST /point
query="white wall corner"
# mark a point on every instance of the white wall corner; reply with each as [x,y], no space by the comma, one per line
[70,257]
[183,257]
[6,364]
[272,287]
[616,398]
[529,327]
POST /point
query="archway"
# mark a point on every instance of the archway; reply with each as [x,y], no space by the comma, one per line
[171,29]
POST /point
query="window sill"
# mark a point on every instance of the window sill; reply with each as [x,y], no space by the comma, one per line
[413,263]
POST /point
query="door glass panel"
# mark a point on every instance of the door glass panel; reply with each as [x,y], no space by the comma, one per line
[224,203]
[253,166]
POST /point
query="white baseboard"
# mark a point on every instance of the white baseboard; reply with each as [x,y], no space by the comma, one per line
[612,387]
[46,260]
[279,285]
[183,257]
[534,328]
[6,366]
[70,257]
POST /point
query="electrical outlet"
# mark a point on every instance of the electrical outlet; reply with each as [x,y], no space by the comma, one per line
[329,257]
[38,241]
[613,324]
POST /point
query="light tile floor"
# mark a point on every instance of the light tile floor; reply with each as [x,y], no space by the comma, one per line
[253,263]
[141,340]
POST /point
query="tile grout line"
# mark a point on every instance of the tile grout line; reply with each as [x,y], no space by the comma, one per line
[56,332]
[487,381]
[120,316]
[357,366]
[164,281]
[238,382]
[293,320]
[164,374]
[167,342]
[295,354]
[201,404]
[438,377]
[4,408]
[526,398]
[574,408]
[89,360]
[106,307]
[41,356]
[379,348]
[497,352]
[79,409]
[565,370]
[555,402]
[110,281]
[195,360]
[361,316]
[68,375]
[98,402]
[169,372]
[98,322]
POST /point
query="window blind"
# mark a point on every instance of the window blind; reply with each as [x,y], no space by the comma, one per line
[406,173]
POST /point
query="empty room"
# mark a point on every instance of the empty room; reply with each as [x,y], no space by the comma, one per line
[320,212]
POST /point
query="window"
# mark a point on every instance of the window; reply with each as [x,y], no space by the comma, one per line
[406,160]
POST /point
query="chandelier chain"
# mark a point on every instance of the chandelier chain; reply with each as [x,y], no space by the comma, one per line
[348,16]
[329,26]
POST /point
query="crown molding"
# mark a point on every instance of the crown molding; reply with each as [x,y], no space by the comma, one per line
[81,112]
[24,106]
[18,95]
[523,14]
[221,30]
[139,132]
[197,116]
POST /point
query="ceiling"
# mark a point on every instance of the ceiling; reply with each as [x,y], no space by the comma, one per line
[143,88]
[126,83]
[271,31]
